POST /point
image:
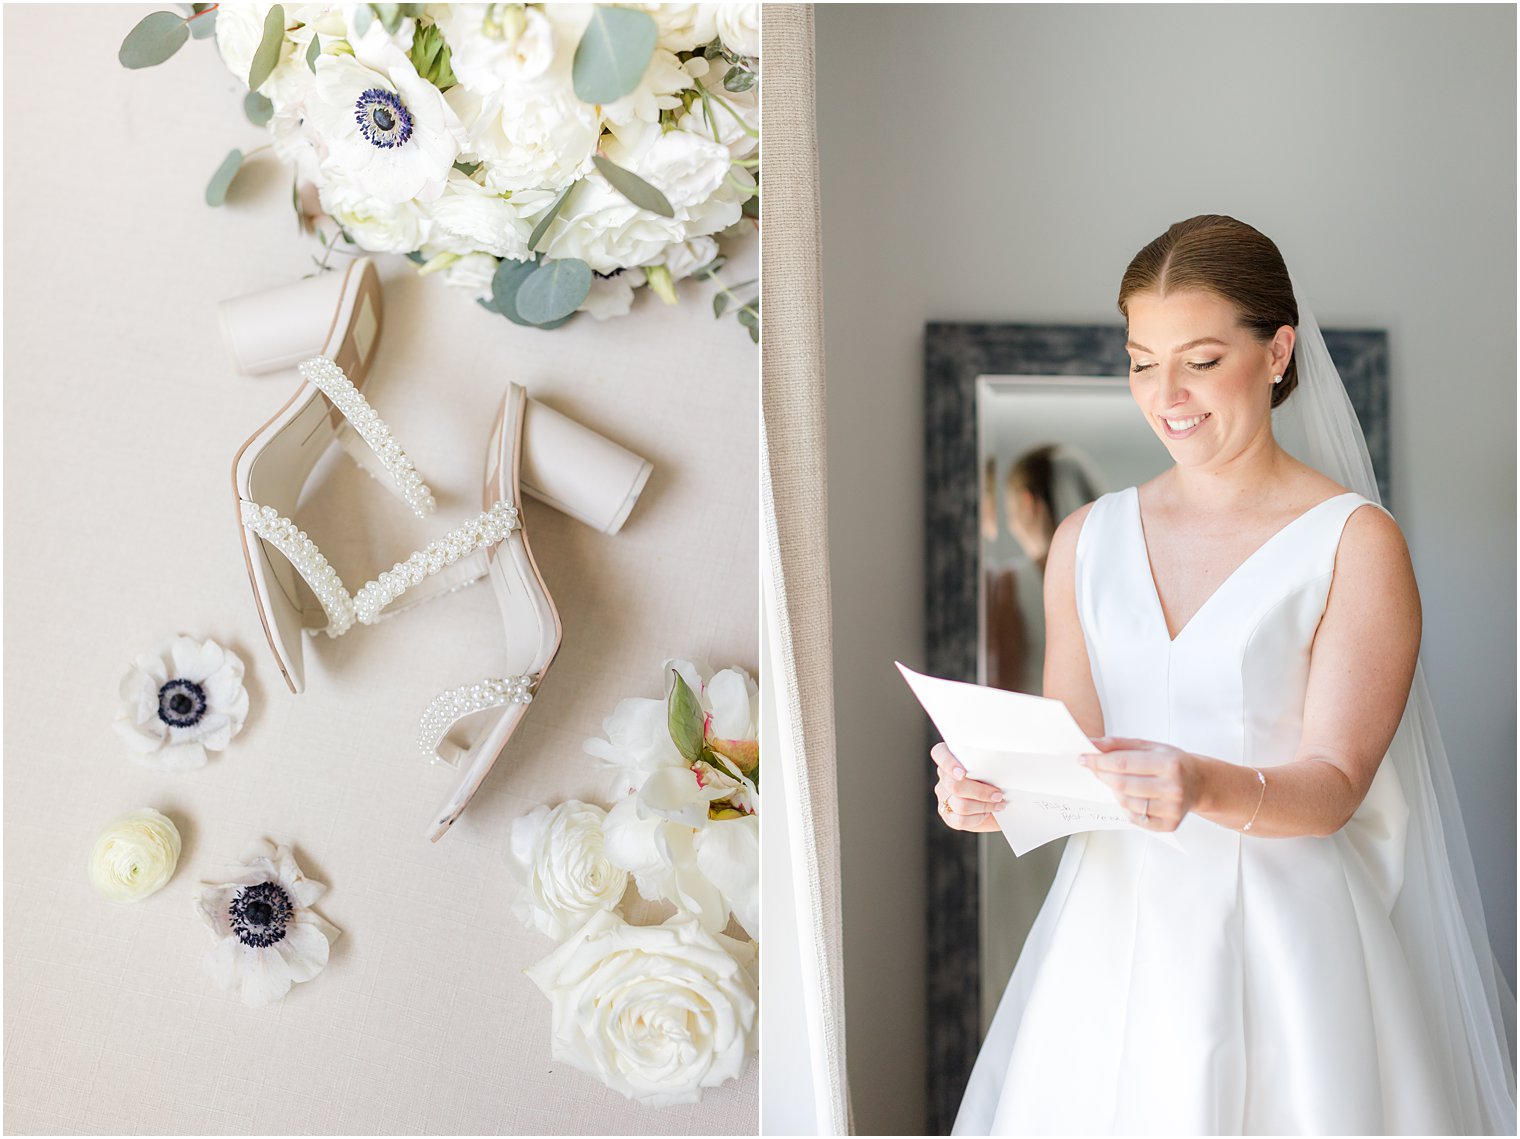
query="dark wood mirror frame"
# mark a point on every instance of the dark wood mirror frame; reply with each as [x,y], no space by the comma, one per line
[955,355]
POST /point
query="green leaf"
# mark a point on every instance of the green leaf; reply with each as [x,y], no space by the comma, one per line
[258,109]
[157,36]
[738,79]
[720,302]
[686,720]
[634,188]
[751,206]
[364,15]
[268,54]
[504,285]
[313,51]
[549,215]
[710,268]
[202,23]
[613,54]
[390,16]
[216,189]
[416,257]
[466,168]
[554,290]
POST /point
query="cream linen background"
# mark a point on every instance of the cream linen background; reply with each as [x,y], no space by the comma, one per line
[122,417]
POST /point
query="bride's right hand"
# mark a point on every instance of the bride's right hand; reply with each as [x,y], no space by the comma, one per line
[964,804]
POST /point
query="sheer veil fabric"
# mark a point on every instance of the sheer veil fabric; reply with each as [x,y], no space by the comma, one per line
[1438,913]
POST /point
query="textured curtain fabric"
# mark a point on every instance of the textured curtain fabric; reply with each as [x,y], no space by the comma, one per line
[795,569]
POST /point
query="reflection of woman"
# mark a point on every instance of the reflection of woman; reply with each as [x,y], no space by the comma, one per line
[1042,486]
[1246,630]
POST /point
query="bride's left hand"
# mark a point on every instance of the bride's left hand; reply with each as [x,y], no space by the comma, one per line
[1156,783]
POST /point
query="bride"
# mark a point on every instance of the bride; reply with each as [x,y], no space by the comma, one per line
[1240,637]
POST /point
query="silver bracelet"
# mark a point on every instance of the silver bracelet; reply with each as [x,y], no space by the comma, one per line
[1259,800]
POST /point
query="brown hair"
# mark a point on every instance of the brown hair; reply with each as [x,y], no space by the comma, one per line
[1217,254]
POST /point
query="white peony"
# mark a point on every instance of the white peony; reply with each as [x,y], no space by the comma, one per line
[607,231]
[638,742]
[376,226]
[558,857]
[386,129]
[541,141]
[177,707]
[656,1012]
[731,697]
[135,855]
[728,855]
[492,46]
[266,934]
[612,295]
[739,28]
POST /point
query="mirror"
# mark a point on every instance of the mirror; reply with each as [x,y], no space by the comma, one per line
[1049,404]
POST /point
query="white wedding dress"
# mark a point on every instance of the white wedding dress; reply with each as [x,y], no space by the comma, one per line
[1250,984]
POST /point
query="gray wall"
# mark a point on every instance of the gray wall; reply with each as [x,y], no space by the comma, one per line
[1003,163]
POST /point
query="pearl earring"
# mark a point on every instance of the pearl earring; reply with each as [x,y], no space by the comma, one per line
[1277,379]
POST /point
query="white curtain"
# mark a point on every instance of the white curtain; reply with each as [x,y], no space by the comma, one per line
[804,1030]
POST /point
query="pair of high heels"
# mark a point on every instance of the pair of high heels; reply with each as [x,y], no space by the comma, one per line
[328,327]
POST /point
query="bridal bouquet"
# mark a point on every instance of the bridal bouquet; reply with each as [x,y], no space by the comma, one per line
[657,1012]
[553,158]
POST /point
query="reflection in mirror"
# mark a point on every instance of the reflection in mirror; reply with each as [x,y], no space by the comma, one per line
[1046,445]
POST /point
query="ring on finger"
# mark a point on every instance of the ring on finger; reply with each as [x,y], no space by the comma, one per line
[1145,812]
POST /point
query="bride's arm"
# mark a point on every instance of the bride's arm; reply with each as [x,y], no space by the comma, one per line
[1361,667]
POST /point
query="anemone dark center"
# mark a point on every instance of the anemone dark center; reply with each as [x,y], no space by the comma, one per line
[383,118]
[259,914]
[181,703]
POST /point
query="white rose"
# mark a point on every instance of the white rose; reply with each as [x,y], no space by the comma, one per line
[557,855]
[682,26]
[376,226]
[739,28]
[135,855]
[656,1012]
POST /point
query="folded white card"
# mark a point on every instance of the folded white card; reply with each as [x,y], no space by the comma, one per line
[1027,747]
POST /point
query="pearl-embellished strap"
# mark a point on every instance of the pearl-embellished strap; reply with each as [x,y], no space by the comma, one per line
[459,544]
[448,708]
[302,553]
[329,379]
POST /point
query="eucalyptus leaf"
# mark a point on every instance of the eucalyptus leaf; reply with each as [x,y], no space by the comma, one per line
[416,257]
[466,168]
[751,206]
[613,54]
[507,280]
[738,79]
[258,109]
[720,302]
[709,269]
[389,16]
[157,36]
[202,24]
[216,189]
[313,51]
[267,56]
[634,188]
[686,720]
[549,215]
[554,290]
[364,15]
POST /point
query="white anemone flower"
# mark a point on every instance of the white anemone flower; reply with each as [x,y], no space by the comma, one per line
[388,130]
[177,707]
[267,935]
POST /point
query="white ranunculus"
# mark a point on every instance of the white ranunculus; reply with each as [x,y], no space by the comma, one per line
[729,117]
[613,295]
[266,935]
[566,877]
[656,1012]
[686,257]
[178,705]
[638,742]
[543,140]
[492,46]
[683,26]
[469,218]
[739,28]
[376,226]
[386,129]
[135,855]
